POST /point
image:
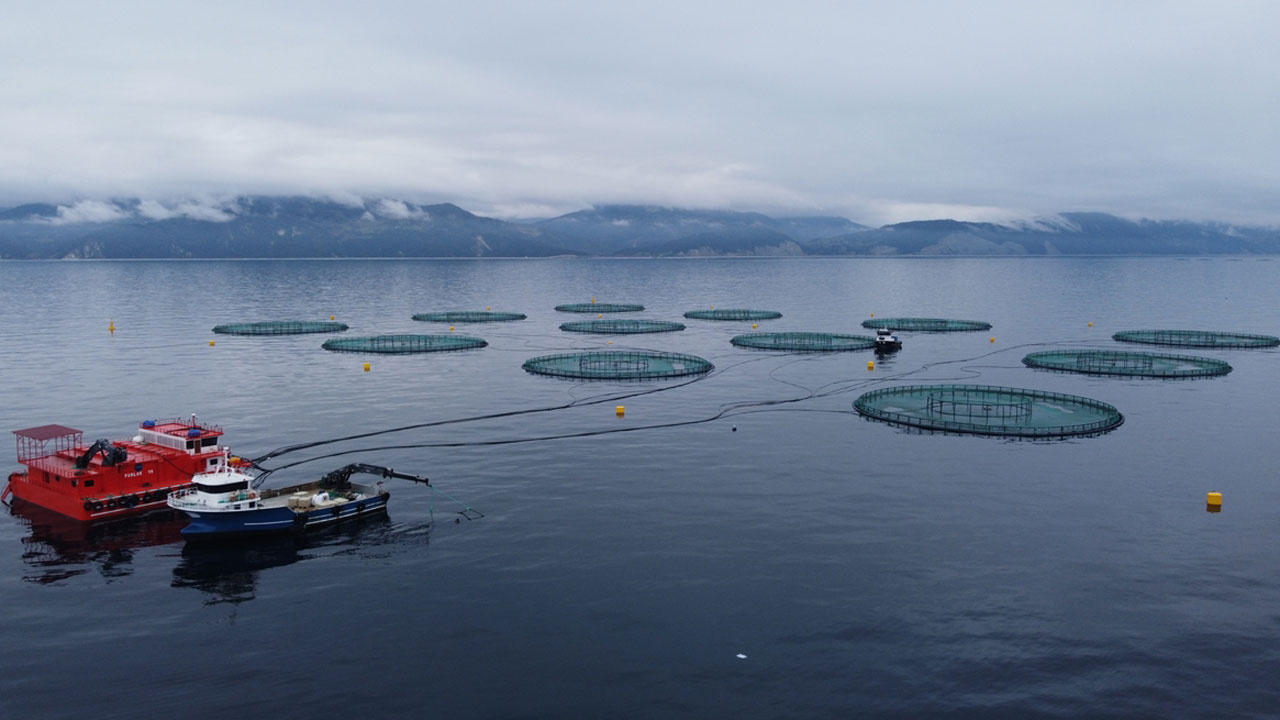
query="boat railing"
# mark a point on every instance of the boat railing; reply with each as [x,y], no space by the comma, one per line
[182,496]
[189,422]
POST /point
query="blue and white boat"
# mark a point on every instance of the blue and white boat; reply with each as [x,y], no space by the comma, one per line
[223,502]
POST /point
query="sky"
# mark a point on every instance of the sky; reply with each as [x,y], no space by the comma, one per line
[876,111]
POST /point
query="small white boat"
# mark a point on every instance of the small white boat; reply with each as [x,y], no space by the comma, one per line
[887,341]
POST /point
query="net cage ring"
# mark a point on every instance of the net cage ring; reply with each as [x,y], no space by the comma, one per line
[593,307]
[468,316]
[404,344]
[280,327]
[618,365]
[804,341]
[989,410]
[1131,364]
[621,326]
[738,314]
[1197,338]
[917,324]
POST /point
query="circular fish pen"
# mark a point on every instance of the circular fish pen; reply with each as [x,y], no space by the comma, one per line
[279,327]
[733,314]
[927,324]
[618,365]
[988,410]
[404,344]
[599,308]
[1196,338]
[804,342]
[1133,364]
[468,316]
[621,327]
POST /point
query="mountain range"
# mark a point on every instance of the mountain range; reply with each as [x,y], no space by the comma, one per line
[287,227]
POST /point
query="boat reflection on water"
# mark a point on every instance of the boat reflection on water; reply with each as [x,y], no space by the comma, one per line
[228,569]
[58,547]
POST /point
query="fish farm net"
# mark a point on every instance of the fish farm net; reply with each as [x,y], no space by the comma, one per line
[987,410]
[1135,364]
[467,316]
[804,342]
[927,324]
[279,327]
[733,314]
[404,344]
[599,308]
[1197,338]
[621,327]
[618,365]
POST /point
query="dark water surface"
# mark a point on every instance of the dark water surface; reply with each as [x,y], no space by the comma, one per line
[862,569]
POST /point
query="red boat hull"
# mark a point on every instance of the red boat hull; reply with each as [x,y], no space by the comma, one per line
[91,508]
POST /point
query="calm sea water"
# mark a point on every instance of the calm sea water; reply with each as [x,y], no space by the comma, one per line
[861,569]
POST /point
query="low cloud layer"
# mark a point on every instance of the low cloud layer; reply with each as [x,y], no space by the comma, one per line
[399,210]
[210,212]
[98,211]
[879,112]
[88,211]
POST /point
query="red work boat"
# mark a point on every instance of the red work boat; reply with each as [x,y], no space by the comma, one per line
[108,479]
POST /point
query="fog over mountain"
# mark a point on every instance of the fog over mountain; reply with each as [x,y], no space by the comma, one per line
[292,227]
[878,112]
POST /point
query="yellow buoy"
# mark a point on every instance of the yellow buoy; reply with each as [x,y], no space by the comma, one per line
[366,367]
[871,364]
[112,327]
[593,299]
[330,317]
[610,342]
[1214,501]
[621,411]
[450,328]
[210,343]
[754,325]
[486,308]
[993,339]
[1090,324]
[713,307]
[598,315]
[873,314]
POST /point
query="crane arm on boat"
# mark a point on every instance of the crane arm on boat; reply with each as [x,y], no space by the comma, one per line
[111,454]
[342,475]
